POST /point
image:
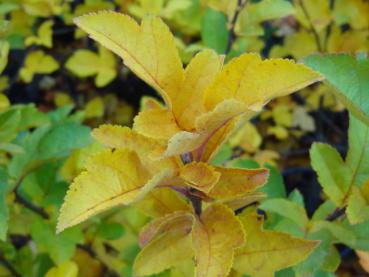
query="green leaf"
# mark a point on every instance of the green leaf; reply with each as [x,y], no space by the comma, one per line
[287,209]
[9,121]
[360,232]
[332,172]
[63,138]
[49,142]
[357,158]
[296,197]
[214,30]
[274,188]
[332,260]
[324,210]
[223,155]
[316,259]
[4,213]
[60,247]
[110,231]
[350,76]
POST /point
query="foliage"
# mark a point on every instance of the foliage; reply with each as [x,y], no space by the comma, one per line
[211,178]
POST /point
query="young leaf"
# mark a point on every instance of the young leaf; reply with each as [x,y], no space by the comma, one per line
[216,234]
[350,76]
[266,252]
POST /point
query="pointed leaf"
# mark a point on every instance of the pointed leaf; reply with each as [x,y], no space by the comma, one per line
[111,179]
[140,46]
[216,234]
[266,252]
[350,76]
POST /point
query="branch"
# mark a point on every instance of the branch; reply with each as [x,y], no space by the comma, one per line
[9,267]
[312,29]
[36,209]
[232,25]
[329,28]
[336,214]
[196,203]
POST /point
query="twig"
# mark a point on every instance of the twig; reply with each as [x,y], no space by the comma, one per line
[232,25]
[9,267]
[312,29]
[329,28]
[196,203]
[18,198]
[88,249]
[336,214]
[38,210]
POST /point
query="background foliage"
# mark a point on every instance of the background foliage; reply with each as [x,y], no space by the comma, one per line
[56,84]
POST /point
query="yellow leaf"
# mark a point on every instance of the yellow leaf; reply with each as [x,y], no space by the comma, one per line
[298,45]
[66,269]
[162,201]
[351,41]
[165,251]
[200,72]
[156,123]
[4,102]
[363,259]
[4,51]
[302,119]
[37,62]
[179,220]
[216,234]
[62,99]
[227,7]
[279,132]
[266,252]
[236,182]
[94,108]
[111,179]
[114,136]
[140,46]
[87,265]
[200,176]
[282,115]
[241,202]
[254,82]
[44,35]
[319,13]
[247,137]
[42,8]
[353,12]
[85,63]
